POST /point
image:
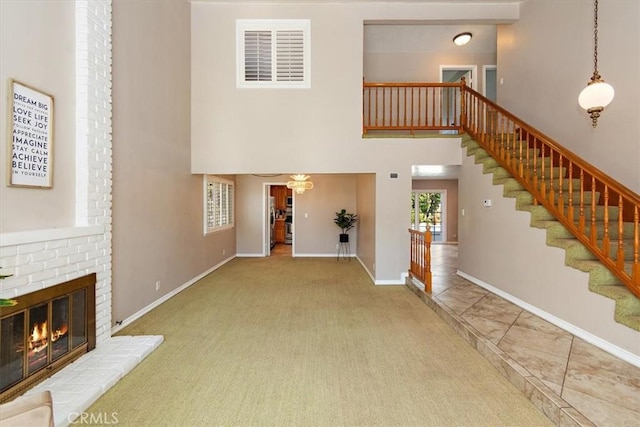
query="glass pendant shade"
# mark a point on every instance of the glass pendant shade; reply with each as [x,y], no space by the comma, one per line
[597,94]
[300,183]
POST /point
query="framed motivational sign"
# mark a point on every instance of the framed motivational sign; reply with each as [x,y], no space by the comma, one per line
[31,136]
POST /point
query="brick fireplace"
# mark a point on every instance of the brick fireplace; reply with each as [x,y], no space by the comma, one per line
[45,331]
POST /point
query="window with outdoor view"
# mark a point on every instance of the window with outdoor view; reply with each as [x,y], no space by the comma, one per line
[426,213]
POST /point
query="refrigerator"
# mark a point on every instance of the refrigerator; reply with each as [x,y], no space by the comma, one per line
[272,220]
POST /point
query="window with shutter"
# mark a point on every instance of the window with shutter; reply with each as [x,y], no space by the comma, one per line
[273,53]
[218,204]
[257,56]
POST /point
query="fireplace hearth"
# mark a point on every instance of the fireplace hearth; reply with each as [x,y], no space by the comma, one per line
[44,332]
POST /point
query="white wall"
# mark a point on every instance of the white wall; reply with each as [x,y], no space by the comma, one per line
[158,204]
[414,53]
[52,236]
[542,84]
[316,130]
[37,45]
[366,209]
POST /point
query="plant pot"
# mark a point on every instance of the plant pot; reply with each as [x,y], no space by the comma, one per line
[344,238]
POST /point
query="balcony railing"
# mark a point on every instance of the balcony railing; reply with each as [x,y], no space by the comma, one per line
[411,106]
[600,212]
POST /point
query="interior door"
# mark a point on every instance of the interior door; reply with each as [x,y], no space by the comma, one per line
[490,78]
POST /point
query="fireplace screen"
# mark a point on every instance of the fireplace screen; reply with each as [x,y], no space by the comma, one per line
[49,329]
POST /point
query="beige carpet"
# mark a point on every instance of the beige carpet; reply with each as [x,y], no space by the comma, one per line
[308,342]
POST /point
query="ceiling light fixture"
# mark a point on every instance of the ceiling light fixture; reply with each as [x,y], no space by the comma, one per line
[462,38]
[598,94]
[300,183]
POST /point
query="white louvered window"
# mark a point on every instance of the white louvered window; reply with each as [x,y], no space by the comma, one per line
[218,204]
[273,53]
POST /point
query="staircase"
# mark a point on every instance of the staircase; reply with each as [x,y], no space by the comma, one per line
[601,280]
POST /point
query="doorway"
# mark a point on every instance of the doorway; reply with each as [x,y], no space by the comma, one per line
[453,74]
[277,220]
[490,78]
[428,211]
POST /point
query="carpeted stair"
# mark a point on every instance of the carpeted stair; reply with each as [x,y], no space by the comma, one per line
[601,280]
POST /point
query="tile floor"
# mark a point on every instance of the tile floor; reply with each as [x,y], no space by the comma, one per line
[573,382]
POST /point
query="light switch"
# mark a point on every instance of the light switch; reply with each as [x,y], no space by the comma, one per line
[306,215]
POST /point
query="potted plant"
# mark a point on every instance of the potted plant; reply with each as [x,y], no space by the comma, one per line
[345,221]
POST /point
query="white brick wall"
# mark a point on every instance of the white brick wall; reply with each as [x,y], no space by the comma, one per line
[42,258]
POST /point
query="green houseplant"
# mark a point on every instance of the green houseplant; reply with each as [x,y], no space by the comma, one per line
[7,302]
[345,221]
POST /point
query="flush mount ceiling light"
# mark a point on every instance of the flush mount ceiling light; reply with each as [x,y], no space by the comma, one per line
[462,39]
[300,183]
[597,94]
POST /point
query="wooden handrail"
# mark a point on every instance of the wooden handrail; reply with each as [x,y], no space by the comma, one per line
[603,214]
[577,193]
[420,266]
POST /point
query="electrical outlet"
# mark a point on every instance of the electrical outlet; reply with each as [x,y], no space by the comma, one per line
[158,285]
[224,252]
[337,245]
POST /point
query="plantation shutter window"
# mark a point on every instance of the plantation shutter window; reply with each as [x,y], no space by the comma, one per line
[273,53]
[290,56]
[257,56]
[218,204]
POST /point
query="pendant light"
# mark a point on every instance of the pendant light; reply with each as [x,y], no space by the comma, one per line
[300,183]
[598,94]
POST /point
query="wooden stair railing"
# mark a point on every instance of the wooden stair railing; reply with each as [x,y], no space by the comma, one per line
[420,267]
[600,212]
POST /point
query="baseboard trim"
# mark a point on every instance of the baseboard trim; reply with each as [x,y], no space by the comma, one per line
[299,255]
[610,348]
[373,279]
[402,281]
[166,297]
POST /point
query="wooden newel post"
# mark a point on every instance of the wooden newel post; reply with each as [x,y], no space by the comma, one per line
[427,261]
[463,105]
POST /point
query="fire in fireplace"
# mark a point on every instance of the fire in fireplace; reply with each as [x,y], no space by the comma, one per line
[45,331]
